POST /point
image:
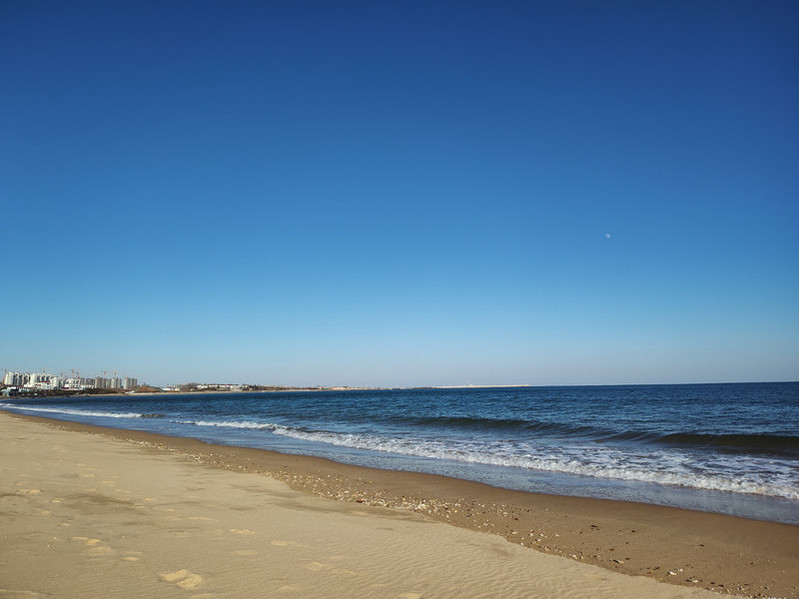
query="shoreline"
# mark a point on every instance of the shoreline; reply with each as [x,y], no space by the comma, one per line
[695,549]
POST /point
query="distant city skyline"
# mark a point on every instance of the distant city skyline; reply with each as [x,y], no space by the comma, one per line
[410,194]
[48,381]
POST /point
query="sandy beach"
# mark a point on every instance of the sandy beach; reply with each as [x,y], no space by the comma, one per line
[93,512]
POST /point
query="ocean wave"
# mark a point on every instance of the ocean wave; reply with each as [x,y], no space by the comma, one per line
[740,443]
[465,422]
[773,444]
[652,470]
[510,424]
[241,424]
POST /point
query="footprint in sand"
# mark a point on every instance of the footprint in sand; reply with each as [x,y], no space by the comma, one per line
[278,543]
[29,491]
[182,578]
[318,567]
[242,531]
[86,540]
[95,547]
[411,595]
[132,556]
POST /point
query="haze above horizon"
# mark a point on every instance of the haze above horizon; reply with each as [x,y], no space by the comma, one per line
[409,194]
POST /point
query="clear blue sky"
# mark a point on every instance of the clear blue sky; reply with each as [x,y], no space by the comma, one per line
[401,193]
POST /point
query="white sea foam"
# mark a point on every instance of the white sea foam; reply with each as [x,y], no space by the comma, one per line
[661,468]
[71,412]
[674,469]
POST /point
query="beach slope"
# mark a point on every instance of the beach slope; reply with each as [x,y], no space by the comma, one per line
[96,516]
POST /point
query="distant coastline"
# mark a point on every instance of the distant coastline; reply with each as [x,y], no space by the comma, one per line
[243,389]
[236,389]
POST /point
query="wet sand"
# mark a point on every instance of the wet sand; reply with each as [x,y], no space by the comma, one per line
[154,514]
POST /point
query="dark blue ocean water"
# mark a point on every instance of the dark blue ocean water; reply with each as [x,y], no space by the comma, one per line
[731,448]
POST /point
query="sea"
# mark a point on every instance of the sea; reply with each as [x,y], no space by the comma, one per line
[727,448]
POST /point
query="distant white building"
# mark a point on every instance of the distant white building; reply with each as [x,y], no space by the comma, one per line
[41,381]
[74,384]
[130,383]
[16,379]
[78,383]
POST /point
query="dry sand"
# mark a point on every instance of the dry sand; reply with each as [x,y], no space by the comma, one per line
[128,514]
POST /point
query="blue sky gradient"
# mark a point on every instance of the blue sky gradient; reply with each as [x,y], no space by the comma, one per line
[415,193]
